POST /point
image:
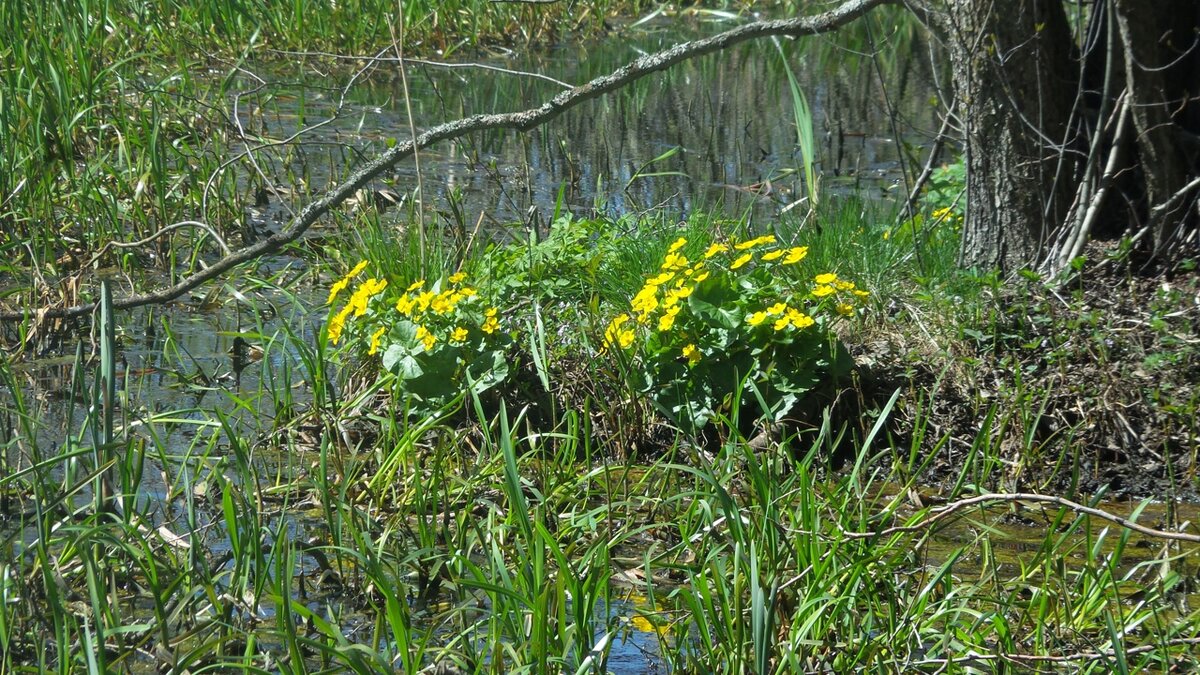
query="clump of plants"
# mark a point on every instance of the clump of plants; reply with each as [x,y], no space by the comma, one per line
[740,317]
[440,339]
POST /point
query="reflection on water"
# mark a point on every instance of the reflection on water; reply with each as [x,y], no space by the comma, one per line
[723,126]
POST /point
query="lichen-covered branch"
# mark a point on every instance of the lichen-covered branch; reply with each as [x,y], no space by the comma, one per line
[520,121]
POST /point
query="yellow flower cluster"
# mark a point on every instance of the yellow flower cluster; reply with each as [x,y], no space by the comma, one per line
[356,306]
[660,298]
[421,306]
[785,256]
[783,316]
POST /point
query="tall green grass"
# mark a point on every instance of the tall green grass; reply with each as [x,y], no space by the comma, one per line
[345,535]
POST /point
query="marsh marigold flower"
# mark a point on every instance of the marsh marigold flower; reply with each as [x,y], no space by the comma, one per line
[715,249]
[845,309]
[828,278]
[337,324]
[756,318]
[692,354]
[773,255]
[795,255]
[668,318]
[459,334]
[341,284]
[799,319]
[427,338]
[679,243]
[375,338]
[457,277]
[822,291]
[490,323]
[742,260]
[757,241]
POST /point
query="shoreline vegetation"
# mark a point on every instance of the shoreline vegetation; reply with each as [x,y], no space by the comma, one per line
[608,445]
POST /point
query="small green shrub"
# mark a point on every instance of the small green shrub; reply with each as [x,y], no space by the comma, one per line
[742,312]
[439,340]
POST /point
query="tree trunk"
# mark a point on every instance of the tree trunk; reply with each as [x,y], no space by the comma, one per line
[1160,46]
[1016,84]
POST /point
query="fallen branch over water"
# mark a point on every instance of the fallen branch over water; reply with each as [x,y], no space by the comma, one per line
[520,121]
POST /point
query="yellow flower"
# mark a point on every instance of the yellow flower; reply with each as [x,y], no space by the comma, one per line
[668,319]
[715,249]
[782,322]
[756,318]
[844,285]
[441,303]
[679,243]
[691,354]
[415,285]
[773,255]
[701,276]
[424,299]
[660,279]
[777,309]
[455,278]
[459,334]
[942,213]
[342,283]
[887,234]
[681,292]
[646,300]
[674,261]
[490,323]
[614,327]
[405,305]
[375,337]
[822,291]
[625,339]
[369,288]
[742,260]
[799,319]
[825,278]
[861,293]
[426,337]
[337,324]
[757,241]
[845,309]
[338,286]
[795,255]
[468,292]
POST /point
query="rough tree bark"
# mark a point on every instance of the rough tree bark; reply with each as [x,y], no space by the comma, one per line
[1036,141]
[1015,84]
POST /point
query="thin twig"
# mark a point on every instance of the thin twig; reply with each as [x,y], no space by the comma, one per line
[954,507]
[425,62]
[1062,658]
[519,121]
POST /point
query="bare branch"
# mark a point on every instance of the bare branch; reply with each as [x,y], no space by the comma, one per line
[519,121]
[954,507]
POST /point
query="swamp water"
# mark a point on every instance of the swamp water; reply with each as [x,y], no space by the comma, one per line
[713,133]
